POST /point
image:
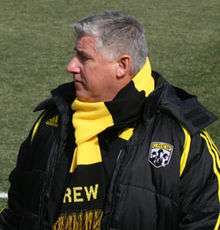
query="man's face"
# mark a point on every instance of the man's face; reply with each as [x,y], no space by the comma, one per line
[94,75]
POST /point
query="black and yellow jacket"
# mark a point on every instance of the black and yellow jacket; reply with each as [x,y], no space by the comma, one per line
[162,169]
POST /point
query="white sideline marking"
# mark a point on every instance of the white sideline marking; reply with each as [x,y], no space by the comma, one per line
[3,195]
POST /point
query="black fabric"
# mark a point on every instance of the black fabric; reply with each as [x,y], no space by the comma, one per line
[182,105]
[127,106]
[140,195]
[65,91]
[93,175]
[109,141]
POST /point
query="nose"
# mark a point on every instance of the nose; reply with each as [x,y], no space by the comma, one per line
[73,66]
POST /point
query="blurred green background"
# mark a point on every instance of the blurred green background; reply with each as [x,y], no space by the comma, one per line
[36,43]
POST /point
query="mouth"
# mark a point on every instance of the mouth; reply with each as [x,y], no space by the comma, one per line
[77,81]
[78,84]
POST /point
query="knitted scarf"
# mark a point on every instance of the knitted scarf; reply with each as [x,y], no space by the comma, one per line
[90,119]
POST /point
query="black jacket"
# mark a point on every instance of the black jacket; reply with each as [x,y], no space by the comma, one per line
[165,177]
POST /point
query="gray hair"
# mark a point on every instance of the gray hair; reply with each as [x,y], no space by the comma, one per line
[117,34]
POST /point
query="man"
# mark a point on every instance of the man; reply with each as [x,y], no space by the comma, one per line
[120,148]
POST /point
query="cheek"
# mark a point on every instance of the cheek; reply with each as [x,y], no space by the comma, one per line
[90,71]
[109,77]
[87,73]
[91,79]
[98,78]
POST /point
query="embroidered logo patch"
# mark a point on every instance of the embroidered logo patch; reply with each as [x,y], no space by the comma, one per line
[160,154]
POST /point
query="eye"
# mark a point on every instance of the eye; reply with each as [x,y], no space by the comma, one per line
[83,58]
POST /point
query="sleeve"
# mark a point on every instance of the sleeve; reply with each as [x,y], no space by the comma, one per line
[11,216]
[8,217]
[200,184]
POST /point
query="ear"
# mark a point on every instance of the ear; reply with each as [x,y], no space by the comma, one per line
[124,66]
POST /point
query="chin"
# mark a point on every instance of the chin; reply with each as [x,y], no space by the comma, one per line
[82,97]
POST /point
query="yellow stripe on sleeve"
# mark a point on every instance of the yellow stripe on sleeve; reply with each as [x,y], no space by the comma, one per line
[217,226]
[36,126]
[186,149]
[215,157]
[214,147]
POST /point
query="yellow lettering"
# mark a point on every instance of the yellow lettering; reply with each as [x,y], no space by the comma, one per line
[77,195]
[67,197]
[91,192]
[165,146]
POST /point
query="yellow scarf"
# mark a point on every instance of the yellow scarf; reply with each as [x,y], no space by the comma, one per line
[90,119]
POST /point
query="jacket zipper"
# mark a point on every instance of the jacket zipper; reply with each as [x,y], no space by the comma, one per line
[48,183]
[110,202]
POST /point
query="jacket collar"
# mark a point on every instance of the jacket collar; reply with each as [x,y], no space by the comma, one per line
[180,104]
[64,91]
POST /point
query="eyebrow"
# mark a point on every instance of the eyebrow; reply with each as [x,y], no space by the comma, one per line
[81,52]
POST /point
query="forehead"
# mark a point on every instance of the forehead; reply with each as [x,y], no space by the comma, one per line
[86,43]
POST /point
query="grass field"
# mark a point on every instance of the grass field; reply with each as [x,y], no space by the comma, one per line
[36,42]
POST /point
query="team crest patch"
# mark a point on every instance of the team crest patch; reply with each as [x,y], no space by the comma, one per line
[160,154]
